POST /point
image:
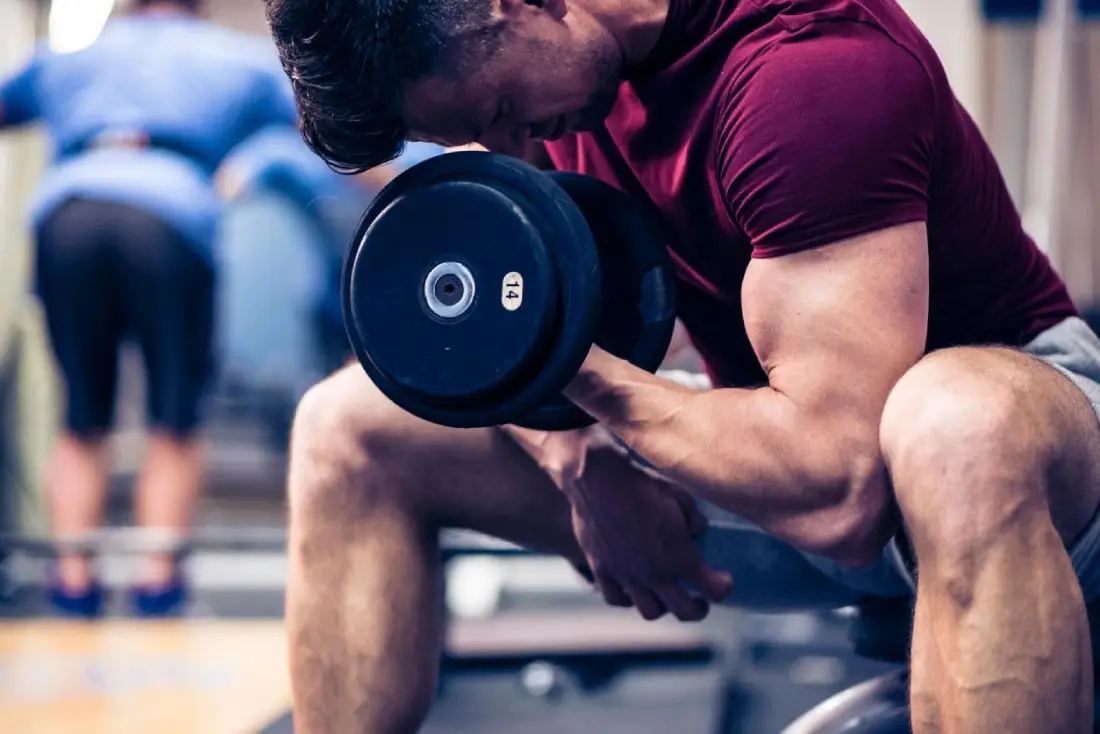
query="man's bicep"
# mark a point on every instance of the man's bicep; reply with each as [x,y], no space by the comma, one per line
[836,326]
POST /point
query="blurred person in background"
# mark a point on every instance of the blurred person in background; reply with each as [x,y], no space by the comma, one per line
[281,228]
[125,223]
[282,245]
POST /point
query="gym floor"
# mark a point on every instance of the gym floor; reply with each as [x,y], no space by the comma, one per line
[222,669]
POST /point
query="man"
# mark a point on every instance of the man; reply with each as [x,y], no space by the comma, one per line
[906,399]
[125,220]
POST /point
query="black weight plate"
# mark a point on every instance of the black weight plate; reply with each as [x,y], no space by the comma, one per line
[477,235]
[575,272]
[638,302]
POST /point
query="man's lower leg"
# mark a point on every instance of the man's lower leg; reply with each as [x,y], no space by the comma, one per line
[168,490]
[1001,642]
[363,609]
[363,621]
[77,481]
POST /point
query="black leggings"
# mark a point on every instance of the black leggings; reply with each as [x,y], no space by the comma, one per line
[106,272]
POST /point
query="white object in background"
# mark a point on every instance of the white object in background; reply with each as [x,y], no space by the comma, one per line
[474,586]
[1009,63]
[1051,106]
[76,24]
[16,44]
[954,28]
[17,38]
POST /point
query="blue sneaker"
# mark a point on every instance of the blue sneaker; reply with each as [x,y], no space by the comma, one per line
[83,605]
[161,601]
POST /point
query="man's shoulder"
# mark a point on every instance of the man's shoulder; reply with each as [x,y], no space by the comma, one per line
[830,52]
[795,16]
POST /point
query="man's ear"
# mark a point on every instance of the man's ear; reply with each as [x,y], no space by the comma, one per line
[556,8]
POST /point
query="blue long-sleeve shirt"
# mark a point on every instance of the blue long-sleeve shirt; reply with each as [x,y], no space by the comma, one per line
[195,90]
[277,159]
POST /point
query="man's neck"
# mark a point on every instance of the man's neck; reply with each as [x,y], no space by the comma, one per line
[635,24]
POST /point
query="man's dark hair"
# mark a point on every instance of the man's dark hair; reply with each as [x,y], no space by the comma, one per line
[351,62]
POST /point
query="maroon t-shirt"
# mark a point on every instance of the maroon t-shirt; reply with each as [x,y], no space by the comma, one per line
[765,127]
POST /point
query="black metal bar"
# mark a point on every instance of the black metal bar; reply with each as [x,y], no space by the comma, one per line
[128,541]
[688,656]
[132,541]
[590,671]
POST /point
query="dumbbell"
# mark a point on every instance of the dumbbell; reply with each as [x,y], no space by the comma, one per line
[475,286]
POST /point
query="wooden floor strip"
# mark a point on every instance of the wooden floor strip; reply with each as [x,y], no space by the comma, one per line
[132,677]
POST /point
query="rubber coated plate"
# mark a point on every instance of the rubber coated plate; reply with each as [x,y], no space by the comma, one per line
[638,307]
[457,392]
[465,246]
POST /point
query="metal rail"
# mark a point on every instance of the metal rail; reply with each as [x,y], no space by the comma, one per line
[137,541]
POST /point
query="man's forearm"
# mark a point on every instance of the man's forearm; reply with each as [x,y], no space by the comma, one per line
[818,484]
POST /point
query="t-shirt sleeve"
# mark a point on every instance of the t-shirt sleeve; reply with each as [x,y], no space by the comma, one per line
[824,138]
[19,94]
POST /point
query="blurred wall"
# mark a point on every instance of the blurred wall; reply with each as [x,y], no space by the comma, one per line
[22,156]
[29,394]
[953,27]
[244,15]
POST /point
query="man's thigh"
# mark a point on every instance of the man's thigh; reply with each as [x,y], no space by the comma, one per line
[475,478]
[1025,419]
[1073,350]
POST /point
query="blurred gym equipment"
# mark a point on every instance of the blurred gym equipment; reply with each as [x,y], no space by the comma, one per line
[136,541]
[880,705]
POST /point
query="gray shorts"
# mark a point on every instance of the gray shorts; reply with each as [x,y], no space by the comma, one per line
[770,574]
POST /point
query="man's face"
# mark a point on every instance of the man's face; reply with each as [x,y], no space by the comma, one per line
[551,75]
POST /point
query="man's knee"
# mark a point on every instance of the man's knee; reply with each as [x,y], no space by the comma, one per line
[966,453]
[341,441]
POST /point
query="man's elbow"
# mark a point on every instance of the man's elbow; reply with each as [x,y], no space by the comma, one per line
[859,517]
